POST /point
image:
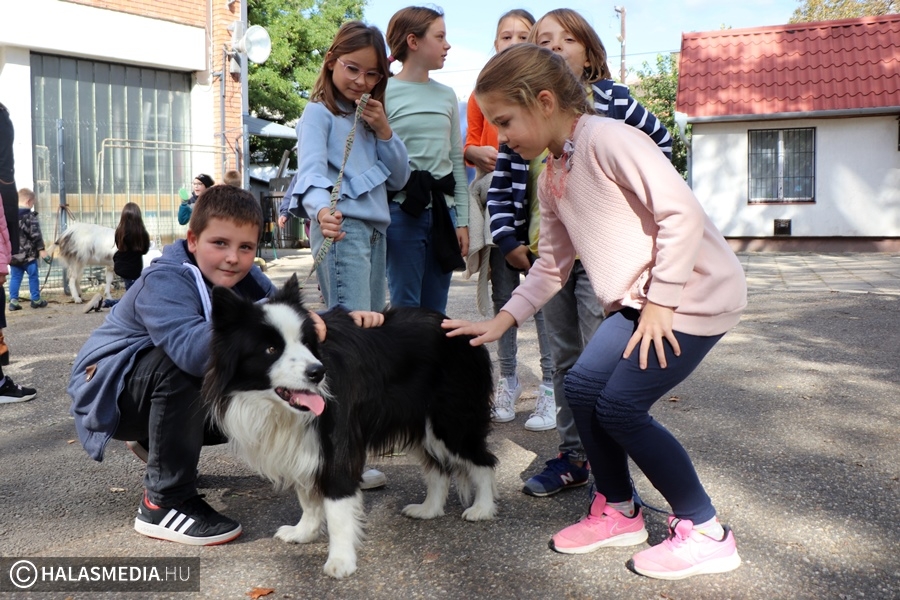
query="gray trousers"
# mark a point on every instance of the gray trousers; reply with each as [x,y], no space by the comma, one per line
[571,317]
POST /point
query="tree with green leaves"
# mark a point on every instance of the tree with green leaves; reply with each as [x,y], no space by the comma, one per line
[828,10]
[657,91]
[301,32]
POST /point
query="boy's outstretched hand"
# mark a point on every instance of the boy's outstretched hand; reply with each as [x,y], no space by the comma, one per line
[367,318]
[482,331]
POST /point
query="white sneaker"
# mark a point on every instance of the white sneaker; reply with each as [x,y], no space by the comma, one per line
[371,479]
[544,416]
[504,409]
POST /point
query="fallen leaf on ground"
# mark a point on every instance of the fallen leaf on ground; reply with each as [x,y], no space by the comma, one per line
[258,592]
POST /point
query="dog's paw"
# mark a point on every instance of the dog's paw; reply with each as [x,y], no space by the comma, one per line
[420,511]
[480,513]
[340,566]
[295,534]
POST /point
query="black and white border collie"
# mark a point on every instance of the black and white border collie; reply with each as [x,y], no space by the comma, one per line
[306,413]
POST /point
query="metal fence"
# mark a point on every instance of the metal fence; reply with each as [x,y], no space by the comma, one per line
[164,174]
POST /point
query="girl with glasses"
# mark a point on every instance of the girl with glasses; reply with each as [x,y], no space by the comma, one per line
[352,273]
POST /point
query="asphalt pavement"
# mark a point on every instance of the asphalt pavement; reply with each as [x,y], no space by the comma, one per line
[791,422]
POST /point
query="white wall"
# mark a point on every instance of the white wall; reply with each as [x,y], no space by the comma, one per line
[857,179]
[15,94]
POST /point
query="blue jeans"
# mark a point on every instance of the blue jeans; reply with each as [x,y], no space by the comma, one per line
[611,396]
[34,281]
[352,274]
[414,275]
[503,281]
[572,317]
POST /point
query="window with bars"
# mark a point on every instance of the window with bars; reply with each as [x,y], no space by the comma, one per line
[782,165]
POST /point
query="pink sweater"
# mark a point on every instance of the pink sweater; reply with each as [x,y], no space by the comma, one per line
[639,232]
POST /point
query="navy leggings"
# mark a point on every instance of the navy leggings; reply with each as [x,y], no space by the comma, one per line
[610,398]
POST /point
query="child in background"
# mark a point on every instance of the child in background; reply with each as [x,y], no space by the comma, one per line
[233,177]
[574,314]
[667,278]
[31,246]
[481,151]
[201,183]
[352,273]
[132,243]
[428,237]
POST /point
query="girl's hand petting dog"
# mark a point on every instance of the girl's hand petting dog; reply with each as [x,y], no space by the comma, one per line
[362,318]
[482,332]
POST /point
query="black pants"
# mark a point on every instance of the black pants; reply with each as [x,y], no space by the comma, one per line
[8,189]
[161,407]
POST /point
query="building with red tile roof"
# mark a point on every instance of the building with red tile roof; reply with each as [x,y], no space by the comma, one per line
[795,132]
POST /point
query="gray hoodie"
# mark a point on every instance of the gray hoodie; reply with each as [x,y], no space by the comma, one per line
[168,307]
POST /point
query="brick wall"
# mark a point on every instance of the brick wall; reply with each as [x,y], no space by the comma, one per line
[186,12]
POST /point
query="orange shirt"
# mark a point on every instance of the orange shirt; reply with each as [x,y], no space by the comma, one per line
[480,132]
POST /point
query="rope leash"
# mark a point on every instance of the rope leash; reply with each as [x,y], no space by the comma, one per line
[336,190]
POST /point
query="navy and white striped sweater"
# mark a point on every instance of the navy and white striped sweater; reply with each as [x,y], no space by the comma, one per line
[507,201]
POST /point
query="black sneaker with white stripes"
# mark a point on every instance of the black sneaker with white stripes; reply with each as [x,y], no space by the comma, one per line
[193,522]
[13,392]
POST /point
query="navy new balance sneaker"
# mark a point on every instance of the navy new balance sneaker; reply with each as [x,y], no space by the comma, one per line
[559,474]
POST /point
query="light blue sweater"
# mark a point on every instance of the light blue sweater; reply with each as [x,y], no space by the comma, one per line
[373,167]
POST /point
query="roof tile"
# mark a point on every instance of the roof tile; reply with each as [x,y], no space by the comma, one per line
[799,67]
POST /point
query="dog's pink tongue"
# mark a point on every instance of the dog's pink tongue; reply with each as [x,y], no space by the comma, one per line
[313,402]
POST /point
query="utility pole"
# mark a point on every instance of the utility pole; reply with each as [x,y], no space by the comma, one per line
[621,38]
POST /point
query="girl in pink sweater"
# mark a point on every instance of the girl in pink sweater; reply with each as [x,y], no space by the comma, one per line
[668,281]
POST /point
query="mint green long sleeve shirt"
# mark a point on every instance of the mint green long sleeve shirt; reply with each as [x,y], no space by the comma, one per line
[426,117]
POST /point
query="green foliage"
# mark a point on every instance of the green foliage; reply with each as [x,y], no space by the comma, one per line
[301,32]
[828,10]
[657,92]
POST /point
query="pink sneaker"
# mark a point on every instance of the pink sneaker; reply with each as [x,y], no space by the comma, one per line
[603,526]
[688,552]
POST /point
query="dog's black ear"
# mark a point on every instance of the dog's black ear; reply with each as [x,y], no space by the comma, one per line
[290,293]
[227,307]
[229,313]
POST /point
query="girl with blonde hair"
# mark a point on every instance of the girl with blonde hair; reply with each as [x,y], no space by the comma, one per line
[667,279]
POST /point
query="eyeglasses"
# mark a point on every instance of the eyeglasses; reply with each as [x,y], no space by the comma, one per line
[353,72]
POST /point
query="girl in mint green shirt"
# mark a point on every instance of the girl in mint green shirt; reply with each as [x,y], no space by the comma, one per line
[428,236]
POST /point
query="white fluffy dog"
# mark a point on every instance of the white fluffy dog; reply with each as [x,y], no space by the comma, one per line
[83,244]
